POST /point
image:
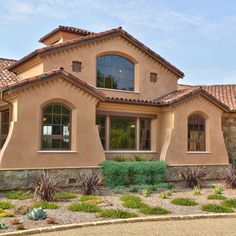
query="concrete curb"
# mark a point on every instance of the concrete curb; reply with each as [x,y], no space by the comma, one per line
[119,221]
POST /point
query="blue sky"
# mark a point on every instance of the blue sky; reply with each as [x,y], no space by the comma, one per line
[197,36]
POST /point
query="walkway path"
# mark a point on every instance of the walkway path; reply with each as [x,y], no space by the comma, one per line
[198,227]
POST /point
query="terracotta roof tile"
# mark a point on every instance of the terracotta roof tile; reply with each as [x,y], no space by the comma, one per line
[6,76]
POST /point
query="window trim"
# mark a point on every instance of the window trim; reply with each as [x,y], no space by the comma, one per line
[42,125]
[4,137]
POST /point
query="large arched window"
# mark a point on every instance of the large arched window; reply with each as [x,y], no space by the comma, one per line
[56,126]
[196,133]
[115,72]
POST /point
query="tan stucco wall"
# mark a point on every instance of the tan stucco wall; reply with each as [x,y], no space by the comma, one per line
[144,64]
[22,147]
[34,70]
[177,152]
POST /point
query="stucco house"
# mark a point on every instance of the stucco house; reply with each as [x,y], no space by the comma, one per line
[85,97]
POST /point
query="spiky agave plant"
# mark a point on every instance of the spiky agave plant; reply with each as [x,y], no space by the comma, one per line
[37,214]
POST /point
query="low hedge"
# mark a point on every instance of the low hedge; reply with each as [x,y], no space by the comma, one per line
[133,173]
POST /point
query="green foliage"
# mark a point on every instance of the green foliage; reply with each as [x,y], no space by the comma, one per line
[139,158]
[6,205]
[229,203]
[83,207]
[19,194]
[120,158]
[149,210]
[133,173]
[6,213]
[118,189]
[45,205]
[132,201]
[37,214]
[196,190]
[147,192]
[117,213]
[3,226]
[91,199]
[65,195]
[184,201]
[133,189]
[165,195]
[216,197]
[218,189]
[216,208]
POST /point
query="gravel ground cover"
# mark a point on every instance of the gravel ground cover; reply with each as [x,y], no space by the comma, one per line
[110,200]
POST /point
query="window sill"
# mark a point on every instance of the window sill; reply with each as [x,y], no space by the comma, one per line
[198,152]
[131,151]
[118,90]
[56,152]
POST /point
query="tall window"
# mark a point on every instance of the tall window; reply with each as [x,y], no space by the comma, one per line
[56,127]
[145,134]
[196,133]
[115,72]
[101,122]
[4,126]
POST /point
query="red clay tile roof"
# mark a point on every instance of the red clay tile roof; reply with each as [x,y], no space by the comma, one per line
[96,36]
[6,76]
[53,75]
[69,29]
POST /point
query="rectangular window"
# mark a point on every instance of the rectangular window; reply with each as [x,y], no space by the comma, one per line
[122,133]
[101,122]
[145,134]
[4,126]
[76,66]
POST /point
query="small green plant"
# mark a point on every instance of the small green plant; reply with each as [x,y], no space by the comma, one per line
[216,197]
[133,189]
[218,190]
[65,195]
[196,190]
[3,226]
[229,203]
[139,158]
[118,190]
[91,199]
[165,195]
[184,202]
[147,192]
[149,210]
[84,207]
[19,194]
[216,208]
[117,213]
[6,205]
[37,214]
[6,213]
[120,159]
[45,205]
[132,201]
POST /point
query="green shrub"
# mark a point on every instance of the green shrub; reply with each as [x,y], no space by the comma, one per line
[45,205]
[147,192]
[149,210]
[120,159]
[133,189]
[165,195]
[133,173]
[184,202]
[132,201]
[216,208]
[91,199]
[65,195]
[229,203]
[139,158]
[117,213]
[196,190]
[218,189]
[19,194]
[84,207]
[216,197]
[6,205]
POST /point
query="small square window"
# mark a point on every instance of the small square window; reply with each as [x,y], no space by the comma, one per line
[153,77]
[76,66]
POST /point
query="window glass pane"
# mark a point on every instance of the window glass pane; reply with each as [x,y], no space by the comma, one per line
[47,130]
[56,109]
[47,118]
[56,143]
[145,134]
[65,143]
[115,68]
[4,126]
[122,133]
[47,143]
[101,122]
[56,119]
[56,129]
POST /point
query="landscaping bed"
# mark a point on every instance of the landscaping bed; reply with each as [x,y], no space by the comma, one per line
[138,204]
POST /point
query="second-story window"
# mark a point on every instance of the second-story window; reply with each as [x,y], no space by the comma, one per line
[115,72]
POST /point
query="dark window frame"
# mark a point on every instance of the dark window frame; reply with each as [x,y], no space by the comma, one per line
[145,139]
[53,136]
[76,66]
[196,121]
[3,137]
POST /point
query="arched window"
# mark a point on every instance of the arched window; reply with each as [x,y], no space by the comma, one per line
[115,72]
[56,127]
[196,133]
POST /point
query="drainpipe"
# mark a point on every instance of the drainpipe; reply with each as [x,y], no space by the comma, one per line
[10,104]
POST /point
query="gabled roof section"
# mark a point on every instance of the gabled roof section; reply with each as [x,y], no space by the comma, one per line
[6,76]
[54,74]
[97,36]
[69,29]
[188,92]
